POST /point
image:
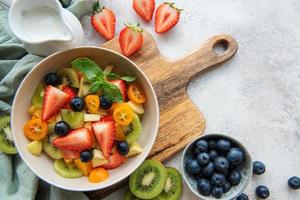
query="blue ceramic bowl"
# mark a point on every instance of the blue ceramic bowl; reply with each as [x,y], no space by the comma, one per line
[245,167]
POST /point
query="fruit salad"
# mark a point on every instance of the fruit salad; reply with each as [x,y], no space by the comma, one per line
[87,119]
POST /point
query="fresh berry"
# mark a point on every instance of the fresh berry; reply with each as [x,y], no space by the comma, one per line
[69,91]
[104,21]
[51,79]
[234,177]
[105,102]
[68,154]
[294,182]
[262,192]
[208,170]
[204,187]
[54,100]
[212,144]
[107,118]
[258,168]
[114,161]
[242,197]
[144,8]
[213,154]
[123,147]
[77,104]
[217,192]
[198,176]
[105,132]
[201,145]
[218,179]
[235,156]
[226,187]
[122,86]
[223,145]
[86,156]
[203,158]
[75,140]
[131,39]
[61,128]
[166,17]
[192,166]
[221,164]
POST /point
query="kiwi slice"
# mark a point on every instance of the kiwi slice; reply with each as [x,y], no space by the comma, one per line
[51,150]
[38,95]
[74,119]
[135,129]
[68,77]
[6,139]
[67,170]
[148,180]
[173,187]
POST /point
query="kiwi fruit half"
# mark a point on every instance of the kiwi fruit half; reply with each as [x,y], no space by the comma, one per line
[6,139]
[134,128]
[74,119]
[68,77]
[38,95]
[51,150]
[67,170]
[173,187]
[148,180]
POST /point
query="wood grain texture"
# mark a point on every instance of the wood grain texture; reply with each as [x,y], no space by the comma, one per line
[180,120]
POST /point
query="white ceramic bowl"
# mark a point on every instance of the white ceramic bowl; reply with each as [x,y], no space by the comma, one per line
[42,166]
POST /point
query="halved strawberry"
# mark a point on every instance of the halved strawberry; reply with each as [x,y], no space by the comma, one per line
[69,91]
[144,8]
[104,21]
[121,85]
[54,100]
[131,39]
[76,140]
[107,118]
[166,17]
[68,154]
[114,161]
[105,132]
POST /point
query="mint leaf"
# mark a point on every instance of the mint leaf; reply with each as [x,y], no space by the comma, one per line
[128,79]
[112,92]
[89,68]
[95,86]
[112,76]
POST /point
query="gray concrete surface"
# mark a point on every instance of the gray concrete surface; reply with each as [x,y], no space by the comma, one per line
[255,97]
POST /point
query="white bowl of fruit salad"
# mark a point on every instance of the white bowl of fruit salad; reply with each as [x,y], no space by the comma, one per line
[84,119]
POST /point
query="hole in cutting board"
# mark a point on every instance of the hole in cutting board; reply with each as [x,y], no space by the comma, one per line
[220,47]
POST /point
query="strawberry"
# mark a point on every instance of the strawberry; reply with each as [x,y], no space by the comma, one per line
[166,17]
[54,100]
[144,8]
[107,118]
[67,154]
[131,39]
[121,85]
[75,140]
[105,132]
[71,92]
[104,21]
[114,161]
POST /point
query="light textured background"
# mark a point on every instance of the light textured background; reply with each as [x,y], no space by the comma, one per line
[255,97]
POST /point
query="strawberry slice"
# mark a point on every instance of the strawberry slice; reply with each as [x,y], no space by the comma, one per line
[54,100]
[131,39]
[67,154]
[104,21]
[121,85]
[166,17]
[114,161]
[76,140]
[144,8]
[71,92]
[105,132]
[107,118]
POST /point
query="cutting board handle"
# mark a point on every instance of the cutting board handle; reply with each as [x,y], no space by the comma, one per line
[205,56]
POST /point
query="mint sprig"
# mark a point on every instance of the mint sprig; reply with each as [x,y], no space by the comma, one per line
[113,76]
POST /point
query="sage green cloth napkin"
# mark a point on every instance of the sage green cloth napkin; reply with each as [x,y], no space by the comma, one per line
[17,181]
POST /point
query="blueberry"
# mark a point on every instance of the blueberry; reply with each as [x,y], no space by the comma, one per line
[86,156]
[204,187]
[258,168]
[198,176]
[123,147]
[234,177]
[262,192]
[218,179]
[217,192]
[202,145]
[223,145]
[192,166]
[226,187]
[242,197]
[77,104]
[212,144]
[61,128]
[203,158]
[196,151]
[51,79]
[235,156]
[221,164]
[105,102]
[294,182]
[208,170]
[213,154]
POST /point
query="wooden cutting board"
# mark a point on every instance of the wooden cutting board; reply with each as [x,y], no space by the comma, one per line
[180,120]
